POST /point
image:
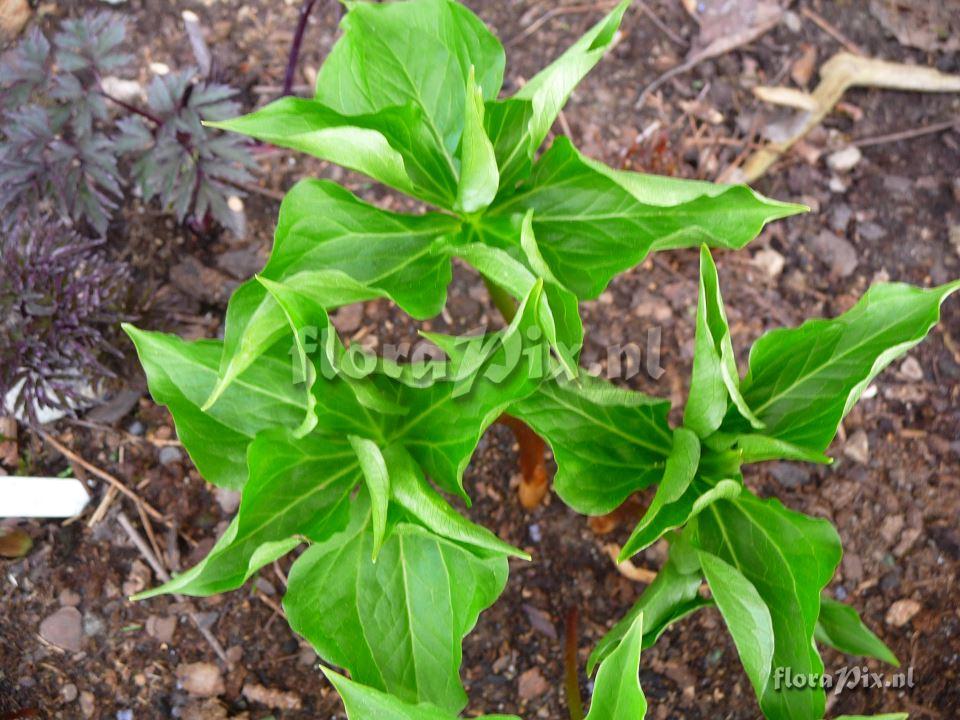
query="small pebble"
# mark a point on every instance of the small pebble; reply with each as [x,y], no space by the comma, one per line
[911,369]
[136,428]
[536,534]
[169,455]
[124,714]
[844,160]
[69,692]
[63,629]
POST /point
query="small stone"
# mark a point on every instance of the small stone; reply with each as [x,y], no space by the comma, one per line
[161,628]
[69,692]
[911,370]
[871,231]
[201,679]
[125,714]
[852,568]
[844,160]
[69,598]
[93,625]
[228,500]
[837,252]
[122,89]
[790,475]
[169,455]
[540,621]
[792,21]
[348,319]
[857,447]
[770,261]
[64,629]
[136,428]
[536,534]
[837,185]
[839,217]
[87,704]
[532,684]
[234,654]
[955,237]
[902,612]
[890,528]
[271,698]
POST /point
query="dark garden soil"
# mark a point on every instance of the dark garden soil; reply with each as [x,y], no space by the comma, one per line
[893,493]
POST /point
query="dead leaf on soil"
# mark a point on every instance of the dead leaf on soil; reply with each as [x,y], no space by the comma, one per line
[722,18]
[724,26]
[931,25]
[14,543]
[841,72]
[627,568]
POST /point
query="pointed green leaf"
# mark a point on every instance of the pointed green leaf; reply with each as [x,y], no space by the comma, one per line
[661,518]
[299,488]
[501,373]
[479,178]
[679,471]
[789,558]
[397,624]
[803,381]
[549,89]
[755,448]
[593,222]
[417,52]
[363,253]
[559,310]
[715,381]
[840,627]
[393,145]
[182,374]
[508,127]
[673,594]
[617,693]
[413,493]
[367,703]
[377,477]
[882,716]
[746,615]
[608,442]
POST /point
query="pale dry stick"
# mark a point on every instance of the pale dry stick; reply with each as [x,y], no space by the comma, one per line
[102,474]
[837,75]
[830,30]
[908,134]
[145,521]
[718,47]
[108,497]
[162,573]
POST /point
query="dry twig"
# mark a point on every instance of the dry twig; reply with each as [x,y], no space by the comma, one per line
[838,74]
[102,474]
[161,572]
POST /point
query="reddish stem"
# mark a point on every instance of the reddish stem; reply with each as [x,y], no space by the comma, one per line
[294,58]
[533,463]
[132,108]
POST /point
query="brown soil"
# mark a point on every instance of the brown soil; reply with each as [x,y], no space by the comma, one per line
[896,507]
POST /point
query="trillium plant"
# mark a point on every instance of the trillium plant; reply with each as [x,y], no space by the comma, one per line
[357,457]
